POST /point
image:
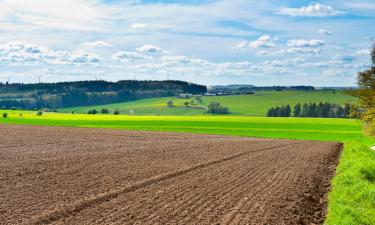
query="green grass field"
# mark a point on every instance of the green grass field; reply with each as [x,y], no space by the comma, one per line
[352,199]
[246,105]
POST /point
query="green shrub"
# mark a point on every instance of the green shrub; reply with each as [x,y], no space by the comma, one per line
[104,111]
[217,108]
[116,112]
[39,113]
[93,111]
[5,115]
[170,103]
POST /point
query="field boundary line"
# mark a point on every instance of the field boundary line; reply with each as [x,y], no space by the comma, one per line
[74,208]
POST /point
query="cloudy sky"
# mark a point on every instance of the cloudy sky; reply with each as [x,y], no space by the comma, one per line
[270,42]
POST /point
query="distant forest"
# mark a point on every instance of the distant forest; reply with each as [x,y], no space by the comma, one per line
[85,93]
[248,89]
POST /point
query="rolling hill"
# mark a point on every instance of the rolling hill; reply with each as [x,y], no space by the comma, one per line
[247,105]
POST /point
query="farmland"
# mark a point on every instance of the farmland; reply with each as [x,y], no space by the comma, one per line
[351,199]
[248,105]
[76,176]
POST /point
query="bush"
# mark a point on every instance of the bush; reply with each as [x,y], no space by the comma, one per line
[170,103]
[186,104]
[93,111]
[216,108]
[39,113]
[104,111]
[5,115]
[116,112]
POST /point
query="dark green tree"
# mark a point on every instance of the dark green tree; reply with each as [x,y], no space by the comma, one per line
[104,111]
[287,111]
[297,110]
[305,110]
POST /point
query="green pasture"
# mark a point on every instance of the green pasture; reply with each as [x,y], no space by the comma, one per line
[246,105]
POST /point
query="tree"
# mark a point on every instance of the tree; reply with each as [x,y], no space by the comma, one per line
[198,99]
[366,93]
[280,111]
[170,103]
[287,111]
[305,110]
[186,104]
[340,112]
[104,111]
[116,112]
[94,111]
[347,110]
[297,110]
[217,108]
[5,115]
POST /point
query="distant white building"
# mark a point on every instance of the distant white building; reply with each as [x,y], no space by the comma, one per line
[186,95]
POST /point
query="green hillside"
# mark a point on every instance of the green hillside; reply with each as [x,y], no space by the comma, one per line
[247,105]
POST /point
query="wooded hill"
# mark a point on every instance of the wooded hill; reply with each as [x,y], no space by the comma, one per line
[85,93]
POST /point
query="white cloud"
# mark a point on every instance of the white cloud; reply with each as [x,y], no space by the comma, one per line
[137,26]
[317,10]
[264,41]
[311,51]
[363,52]
[94,44]
[150,49]
[172,60]
[17,52]
[128,56]
[324,32]
[157,26]
[67,14]
[243,44]
[301,43]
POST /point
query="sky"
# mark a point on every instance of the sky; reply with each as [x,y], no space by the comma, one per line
[269,42]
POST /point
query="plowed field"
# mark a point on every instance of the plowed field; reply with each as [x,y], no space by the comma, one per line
[55,175]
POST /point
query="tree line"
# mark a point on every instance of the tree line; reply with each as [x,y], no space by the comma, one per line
[86,93]
[321,110]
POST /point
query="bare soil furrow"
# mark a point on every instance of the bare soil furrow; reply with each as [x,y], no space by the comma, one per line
[193,199]
[57,175]
[78,206]
[250,202]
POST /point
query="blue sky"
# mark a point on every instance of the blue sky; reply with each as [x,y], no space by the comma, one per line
[275,42]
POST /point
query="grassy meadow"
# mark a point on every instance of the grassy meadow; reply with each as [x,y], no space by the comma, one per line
[352,199]
[245,105]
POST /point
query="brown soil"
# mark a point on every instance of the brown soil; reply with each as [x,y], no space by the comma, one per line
[51,175]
